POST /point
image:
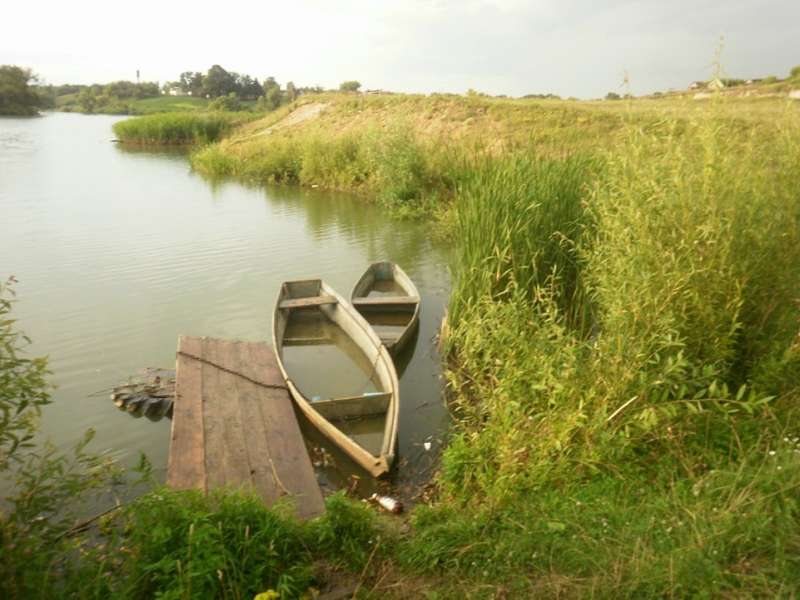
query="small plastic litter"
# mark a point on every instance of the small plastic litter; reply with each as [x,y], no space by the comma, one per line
[388,503]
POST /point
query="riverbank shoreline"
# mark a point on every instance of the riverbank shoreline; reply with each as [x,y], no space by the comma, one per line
[622,356]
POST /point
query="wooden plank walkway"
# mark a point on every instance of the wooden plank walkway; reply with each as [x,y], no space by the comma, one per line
[233,425]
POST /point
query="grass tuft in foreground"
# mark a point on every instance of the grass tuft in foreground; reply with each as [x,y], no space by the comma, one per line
[182,544]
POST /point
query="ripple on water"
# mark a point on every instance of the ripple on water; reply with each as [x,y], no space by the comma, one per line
[118,253]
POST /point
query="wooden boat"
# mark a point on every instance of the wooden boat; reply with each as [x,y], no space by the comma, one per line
[389,301]
[316,295]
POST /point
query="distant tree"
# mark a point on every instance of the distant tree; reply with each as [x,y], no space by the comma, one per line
[128,89]
[147,89]
[191,82]
[68,88]
[543,96]
[291,92]
[270,83]
[273,98]
[476,94]
[218,82]
[731,82]
[47,95]
[613,96]
[229,102]
[87,100]
[770,79]
[795,72]
[248,88]
[16,95]
[349,86]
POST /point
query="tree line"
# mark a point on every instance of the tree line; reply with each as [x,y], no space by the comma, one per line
[21,93]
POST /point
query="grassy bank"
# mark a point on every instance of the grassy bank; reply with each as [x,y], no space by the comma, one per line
[625,370]
[173,544]
[623,360]
[412,152]
[178,128]
[622,335]
[136,106]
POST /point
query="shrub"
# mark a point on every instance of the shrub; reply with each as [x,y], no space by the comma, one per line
[226,103]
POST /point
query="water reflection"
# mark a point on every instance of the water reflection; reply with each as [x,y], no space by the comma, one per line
[120,250]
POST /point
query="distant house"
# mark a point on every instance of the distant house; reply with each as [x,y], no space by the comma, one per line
[697,85]
[176,91]
[752,81]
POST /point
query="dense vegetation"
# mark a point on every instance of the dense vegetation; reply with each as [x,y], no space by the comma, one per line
[17,96]
[623,337]
[623,363]
[178,128]
[622,334]
[218,89]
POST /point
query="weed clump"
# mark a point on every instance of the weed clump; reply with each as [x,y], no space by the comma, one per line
[182,128]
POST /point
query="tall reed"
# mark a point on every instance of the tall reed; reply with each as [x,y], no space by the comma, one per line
[178,128]
[519,224]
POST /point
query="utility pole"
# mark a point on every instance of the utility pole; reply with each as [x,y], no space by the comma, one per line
[137,76]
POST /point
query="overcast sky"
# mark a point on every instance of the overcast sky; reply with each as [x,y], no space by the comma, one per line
[577,48]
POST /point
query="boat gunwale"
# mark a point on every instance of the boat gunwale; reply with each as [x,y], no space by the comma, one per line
[375,465]
[362,288]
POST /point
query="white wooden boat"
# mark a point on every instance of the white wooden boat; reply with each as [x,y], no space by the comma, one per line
[316,295]
[389,301]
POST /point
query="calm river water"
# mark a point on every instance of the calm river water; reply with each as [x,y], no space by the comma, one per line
[117,252]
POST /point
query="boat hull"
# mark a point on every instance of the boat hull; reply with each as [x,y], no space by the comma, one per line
[316,295]
[403,306]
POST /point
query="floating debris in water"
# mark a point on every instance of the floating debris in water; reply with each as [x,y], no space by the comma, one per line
[151,394]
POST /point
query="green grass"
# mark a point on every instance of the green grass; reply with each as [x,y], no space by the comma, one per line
[390,166]
[181,128]
[168,104]
[625,368]
[622,353]
[143,106]
[182,544]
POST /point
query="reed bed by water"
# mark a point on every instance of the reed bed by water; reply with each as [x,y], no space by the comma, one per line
[180,128]
[394,167]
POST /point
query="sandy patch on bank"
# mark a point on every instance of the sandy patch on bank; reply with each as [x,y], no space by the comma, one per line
[297,116]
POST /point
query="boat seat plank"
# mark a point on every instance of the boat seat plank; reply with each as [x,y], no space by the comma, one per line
[385,300]
[346,407]
[307,302]
[307,341]
[235,426]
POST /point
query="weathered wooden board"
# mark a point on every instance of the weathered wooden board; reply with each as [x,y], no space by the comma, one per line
[353,406]
[385,301]
[308,302]
[233,425]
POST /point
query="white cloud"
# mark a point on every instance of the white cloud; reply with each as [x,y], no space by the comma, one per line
[571,47]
